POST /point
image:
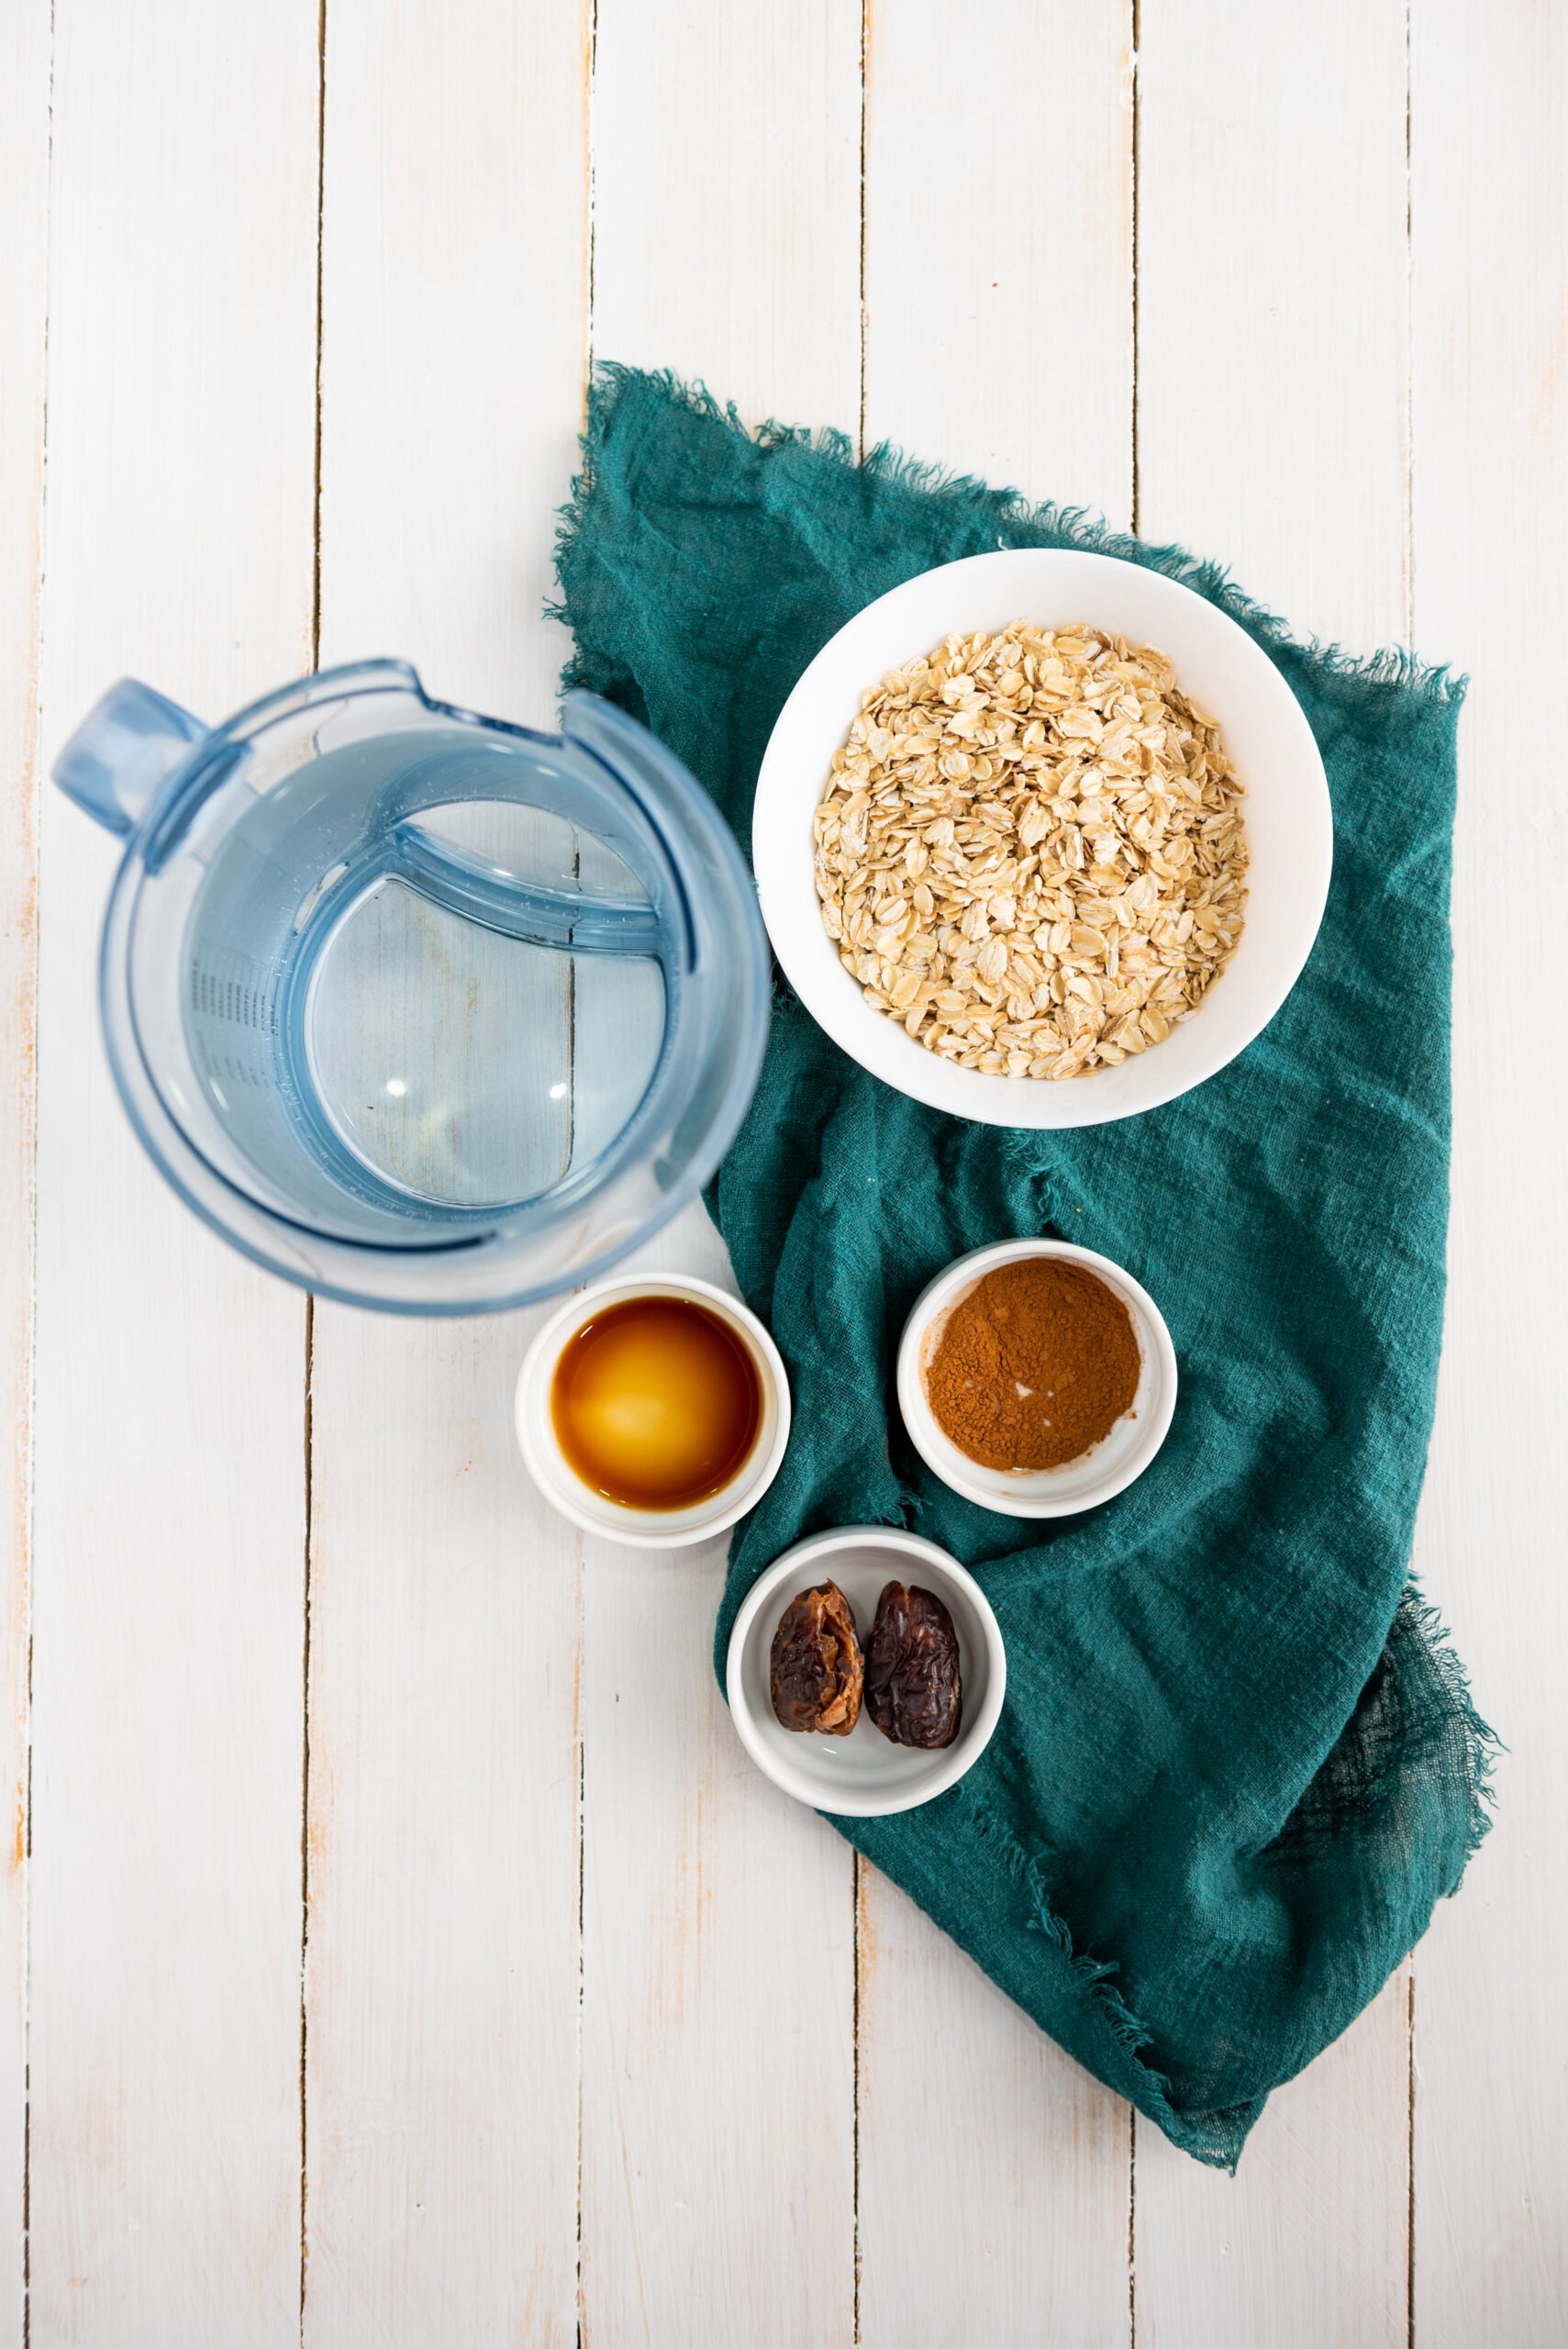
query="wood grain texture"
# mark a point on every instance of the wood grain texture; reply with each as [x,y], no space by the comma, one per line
[726,199]
[998,245]
[500,1731]
[441,2048]
[1272,385]
[717,2147]
[1489,213]
[994,2172]
[169,1460]
[25,60]
[1313,2221]
[443,1955]
[717,2151]
[1272,361]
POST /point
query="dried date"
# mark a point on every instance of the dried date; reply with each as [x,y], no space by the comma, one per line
[912,1689]
[815,1669]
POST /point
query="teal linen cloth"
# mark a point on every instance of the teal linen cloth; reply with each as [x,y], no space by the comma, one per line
[1237,1764]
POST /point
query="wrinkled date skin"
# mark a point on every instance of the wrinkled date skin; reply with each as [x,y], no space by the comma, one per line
[912,1683]
[815,1670]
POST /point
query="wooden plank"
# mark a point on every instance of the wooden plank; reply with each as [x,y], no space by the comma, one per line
[443,1990]
[1272,407]
[169,1460]
[727,197]
[442,1963]
[25,58]
[1272,377]
[717,2153]
[998,245]
[717,2163]
[976,2134]
[993,2171]
[1490,255]
[1254,2260]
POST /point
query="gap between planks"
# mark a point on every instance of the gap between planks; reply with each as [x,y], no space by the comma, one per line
[1135,104]
[30,1242]
[1409,639]
[589,259]
[856,1863]
[859,1869]
[310,1301]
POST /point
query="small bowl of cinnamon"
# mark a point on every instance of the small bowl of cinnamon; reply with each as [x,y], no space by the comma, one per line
[1036,1378]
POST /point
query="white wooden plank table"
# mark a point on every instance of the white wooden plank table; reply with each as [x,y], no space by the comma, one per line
[394,1945]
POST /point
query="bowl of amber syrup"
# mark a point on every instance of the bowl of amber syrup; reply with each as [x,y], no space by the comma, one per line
[653,1410]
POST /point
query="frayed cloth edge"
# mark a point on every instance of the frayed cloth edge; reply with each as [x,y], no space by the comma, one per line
[1392,665]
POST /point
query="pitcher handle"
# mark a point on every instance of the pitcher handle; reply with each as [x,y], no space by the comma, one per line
[124,747]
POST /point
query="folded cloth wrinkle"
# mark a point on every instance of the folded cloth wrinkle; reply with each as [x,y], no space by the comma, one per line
[1238,1762]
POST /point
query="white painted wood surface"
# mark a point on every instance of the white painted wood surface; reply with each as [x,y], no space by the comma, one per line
[24,252]
[718,1918]
[561,2025]
[1271,402]
[168,1445]
[718,1985]
[976,2133]
[1489,218]
[442,1960]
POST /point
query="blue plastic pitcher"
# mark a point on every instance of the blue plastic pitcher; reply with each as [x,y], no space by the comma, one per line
[419,1010]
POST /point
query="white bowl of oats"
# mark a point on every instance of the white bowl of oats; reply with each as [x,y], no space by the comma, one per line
[1023,865]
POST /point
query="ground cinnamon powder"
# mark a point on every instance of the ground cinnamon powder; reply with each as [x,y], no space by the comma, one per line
[1034,1365]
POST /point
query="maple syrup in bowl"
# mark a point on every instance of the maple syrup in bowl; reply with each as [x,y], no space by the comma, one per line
[656,1402]
[655,1410]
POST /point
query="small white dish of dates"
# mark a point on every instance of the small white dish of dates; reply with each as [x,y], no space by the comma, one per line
[866,1671]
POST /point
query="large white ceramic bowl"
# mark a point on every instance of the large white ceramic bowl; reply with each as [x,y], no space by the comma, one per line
[1289,827]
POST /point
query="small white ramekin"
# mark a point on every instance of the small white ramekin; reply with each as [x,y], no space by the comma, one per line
[648,1529]
[1096,1476]
[863,1776]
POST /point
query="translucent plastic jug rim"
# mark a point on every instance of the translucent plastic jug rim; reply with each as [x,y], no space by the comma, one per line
[337,1265]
